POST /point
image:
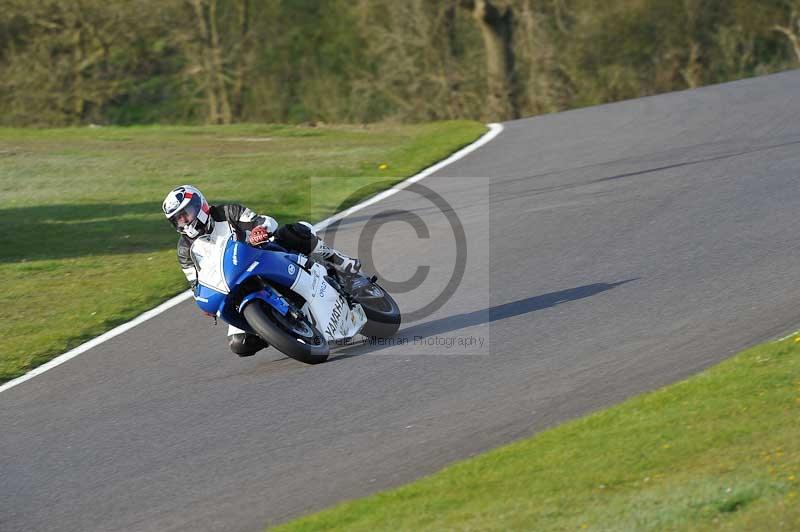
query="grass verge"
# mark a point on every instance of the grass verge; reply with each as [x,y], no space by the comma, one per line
[718,451]
[86,247]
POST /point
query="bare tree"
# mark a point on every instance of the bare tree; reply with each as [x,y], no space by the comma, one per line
[72,61]
[693,72]
[791,28]
[208,61]
[417,60]
[538,71]
[241,54]
[496,23]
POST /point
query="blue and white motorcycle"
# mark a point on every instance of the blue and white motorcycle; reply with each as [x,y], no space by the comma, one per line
[294,303]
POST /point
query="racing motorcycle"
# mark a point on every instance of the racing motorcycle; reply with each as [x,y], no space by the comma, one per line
[294,303]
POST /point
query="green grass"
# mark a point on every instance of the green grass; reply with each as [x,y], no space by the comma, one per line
[85,246]
[716,452]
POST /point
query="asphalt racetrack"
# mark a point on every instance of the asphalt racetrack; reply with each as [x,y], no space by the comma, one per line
[577,259]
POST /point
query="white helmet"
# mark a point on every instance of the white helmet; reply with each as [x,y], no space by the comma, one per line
[187,210]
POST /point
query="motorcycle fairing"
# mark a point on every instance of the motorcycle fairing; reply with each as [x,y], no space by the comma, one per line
[268,295]
[243,261]
[223,262]
[328,310]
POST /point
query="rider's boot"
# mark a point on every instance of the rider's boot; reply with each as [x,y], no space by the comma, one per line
[322,251]
[337,259]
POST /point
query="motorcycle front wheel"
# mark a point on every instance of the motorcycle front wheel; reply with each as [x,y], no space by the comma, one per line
[291,334]
[383,313]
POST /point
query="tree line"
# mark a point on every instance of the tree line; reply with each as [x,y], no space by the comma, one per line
[67,62]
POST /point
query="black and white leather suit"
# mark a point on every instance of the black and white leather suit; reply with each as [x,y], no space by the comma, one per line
[239,220]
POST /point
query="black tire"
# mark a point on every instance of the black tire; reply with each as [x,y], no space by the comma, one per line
[383,313]
[284,333]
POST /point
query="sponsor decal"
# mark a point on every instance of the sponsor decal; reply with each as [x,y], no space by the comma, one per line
[292,269]
[315,277]
[253,266]
[336,315]
[322,288]
[172,204]
[235,252]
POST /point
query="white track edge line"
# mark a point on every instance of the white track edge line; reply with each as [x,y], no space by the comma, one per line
[786,337]
[494,130]
[108,335]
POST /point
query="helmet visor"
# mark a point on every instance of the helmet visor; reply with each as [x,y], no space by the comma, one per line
[186,216]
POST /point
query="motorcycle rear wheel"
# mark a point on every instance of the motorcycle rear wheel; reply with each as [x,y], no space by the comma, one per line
[294,337]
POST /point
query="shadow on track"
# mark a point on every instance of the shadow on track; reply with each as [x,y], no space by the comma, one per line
[479,317]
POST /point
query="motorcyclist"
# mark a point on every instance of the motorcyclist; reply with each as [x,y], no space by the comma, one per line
[191,215]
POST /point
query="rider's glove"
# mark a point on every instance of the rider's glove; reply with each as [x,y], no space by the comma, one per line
[258,236]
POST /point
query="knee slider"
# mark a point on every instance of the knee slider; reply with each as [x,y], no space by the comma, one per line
[244,344]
